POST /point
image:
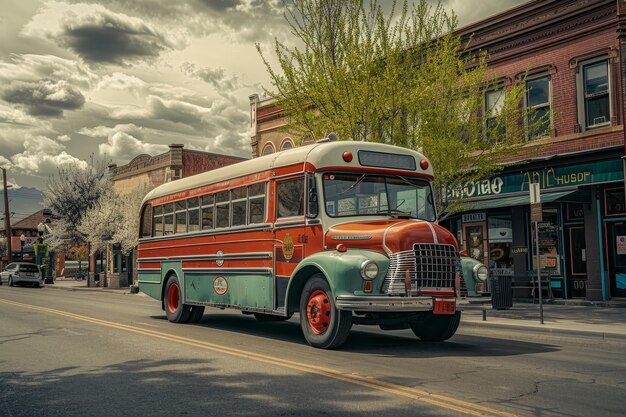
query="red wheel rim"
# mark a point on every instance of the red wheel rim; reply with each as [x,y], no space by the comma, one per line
[318,311]
[173,297]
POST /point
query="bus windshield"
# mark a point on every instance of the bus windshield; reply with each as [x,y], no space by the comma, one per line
[371,194]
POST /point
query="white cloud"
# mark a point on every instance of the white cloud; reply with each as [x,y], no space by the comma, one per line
[123,147]
[4,163]
[42,156]
[30,67]
[104,131]
[121,81]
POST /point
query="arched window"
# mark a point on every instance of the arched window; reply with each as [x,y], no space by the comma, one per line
[287,144]
[268,148]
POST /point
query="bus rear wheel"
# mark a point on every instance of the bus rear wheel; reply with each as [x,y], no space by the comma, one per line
[196,314]
[436,327]
[323,325]
[175,310]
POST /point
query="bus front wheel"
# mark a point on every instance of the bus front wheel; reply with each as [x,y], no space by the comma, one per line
[323,325]
[436,327]
[175,310]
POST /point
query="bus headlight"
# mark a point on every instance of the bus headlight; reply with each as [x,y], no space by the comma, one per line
[369,270]
[481,273]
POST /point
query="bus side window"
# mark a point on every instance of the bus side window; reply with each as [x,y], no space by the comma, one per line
[193,214]
[312,204]
[157,224]
[256,196]
[290,198]
[222,209]
[239,204]
[168,219]
[181,216]
[146,221]
[207,212]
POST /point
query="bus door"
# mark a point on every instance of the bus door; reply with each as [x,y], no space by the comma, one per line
[288,233]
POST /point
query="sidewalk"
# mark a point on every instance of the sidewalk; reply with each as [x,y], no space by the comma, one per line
[71,284]
[605,322]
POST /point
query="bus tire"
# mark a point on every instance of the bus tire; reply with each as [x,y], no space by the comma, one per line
[175,310]
[196,314]
[323,325]
[270,317]
[436,327]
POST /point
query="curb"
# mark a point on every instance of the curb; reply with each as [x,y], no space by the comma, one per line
[546,329]
[93,289]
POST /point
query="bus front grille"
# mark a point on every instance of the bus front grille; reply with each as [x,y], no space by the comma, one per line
[429,267]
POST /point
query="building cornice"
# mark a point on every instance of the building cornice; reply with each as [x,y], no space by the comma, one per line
[537,24]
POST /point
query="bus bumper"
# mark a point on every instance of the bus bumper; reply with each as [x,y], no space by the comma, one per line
[383,303]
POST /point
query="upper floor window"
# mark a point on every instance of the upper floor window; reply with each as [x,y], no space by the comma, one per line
[537,102]
[494,102]
[268,148]
[594,103]
[287,144]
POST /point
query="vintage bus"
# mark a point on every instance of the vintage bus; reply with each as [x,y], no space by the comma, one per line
[341,232]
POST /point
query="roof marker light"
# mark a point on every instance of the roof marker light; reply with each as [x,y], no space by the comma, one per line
[347,156]
[424,164]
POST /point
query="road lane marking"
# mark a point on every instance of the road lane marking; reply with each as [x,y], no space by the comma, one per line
[437,400]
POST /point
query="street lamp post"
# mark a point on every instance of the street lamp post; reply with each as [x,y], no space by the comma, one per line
[22,240]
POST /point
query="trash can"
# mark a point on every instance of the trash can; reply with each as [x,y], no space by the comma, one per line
[502,292]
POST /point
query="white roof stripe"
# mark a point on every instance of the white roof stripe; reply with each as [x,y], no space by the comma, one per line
[319,155]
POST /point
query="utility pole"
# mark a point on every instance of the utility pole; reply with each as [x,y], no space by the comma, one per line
[7,217]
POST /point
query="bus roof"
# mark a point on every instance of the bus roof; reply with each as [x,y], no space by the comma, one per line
[326,154]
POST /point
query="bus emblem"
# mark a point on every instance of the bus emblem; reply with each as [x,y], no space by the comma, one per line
[220,285]
[218,261]
[288,247]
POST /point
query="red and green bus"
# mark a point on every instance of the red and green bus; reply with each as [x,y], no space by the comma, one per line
[342,233]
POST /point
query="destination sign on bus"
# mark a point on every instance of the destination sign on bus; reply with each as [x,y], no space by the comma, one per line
[386,160]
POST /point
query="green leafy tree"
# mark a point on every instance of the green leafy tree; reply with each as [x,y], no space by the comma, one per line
[404,78]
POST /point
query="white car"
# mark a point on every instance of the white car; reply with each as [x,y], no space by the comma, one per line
[20,273]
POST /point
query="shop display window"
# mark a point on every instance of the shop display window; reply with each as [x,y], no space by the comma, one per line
[614,202]
[575,211]
[500,234]
[549,254]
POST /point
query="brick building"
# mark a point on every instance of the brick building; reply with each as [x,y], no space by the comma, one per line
[150,171]
[570,56]
[177,163]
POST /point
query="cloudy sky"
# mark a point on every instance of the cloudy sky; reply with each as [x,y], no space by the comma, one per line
[117,78]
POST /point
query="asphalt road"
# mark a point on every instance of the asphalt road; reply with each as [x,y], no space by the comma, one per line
[80,353]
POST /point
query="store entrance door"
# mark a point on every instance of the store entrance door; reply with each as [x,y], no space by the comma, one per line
[616,235]
[576,261]
[475,236]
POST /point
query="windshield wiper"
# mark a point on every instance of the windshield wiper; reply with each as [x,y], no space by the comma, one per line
[408,182]
[398,214]
[357,182]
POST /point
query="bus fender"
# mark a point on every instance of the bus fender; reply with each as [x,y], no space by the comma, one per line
[172,268]
[341,270]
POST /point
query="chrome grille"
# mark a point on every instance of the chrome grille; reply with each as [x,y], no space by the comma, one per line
[429,265]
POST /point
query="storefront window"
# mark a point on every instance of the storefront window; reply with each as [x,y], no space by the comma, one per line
[614,202]
[500,231]
[549,256]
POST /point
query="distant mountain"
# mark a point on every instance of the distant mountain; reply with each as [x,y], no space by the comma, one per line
[23,202]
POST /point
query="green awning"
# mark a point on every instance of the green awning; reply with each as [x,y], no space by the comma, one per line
[561,196]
